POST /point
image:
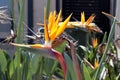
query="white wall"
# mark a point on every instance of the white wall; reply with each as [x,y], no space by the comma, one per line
[38,11]
[117,28]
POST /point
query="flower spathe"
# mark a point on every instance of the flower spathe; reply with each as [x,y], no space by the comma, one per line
[87,24]
[51,31]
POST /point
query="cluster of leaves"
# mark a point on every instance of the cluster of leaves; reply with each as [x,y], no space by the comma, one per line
[102,60]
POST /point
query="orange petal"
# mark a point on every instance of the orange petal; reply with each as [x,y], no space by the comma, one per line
[54,13]
[50,17]
[53,33]
[96,64]
[82,18]
[61,60]
[58,18]
[53,23]
[62,26]
[55,27]
[90,19]
[50,20]
[45,27]
[94,42]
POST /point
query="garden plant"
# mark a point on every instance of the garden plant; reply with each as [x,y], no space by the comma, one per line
[56,54]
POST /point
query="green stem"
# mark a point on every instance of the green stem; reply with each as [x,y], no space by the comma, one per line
[53,70]
[18,65]
[20,25]
[48,8]
[106,49]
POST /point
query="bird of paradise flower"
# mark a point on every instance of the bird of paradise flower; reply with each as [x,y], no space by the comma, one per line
[88,24]
[94,42]
[51,31]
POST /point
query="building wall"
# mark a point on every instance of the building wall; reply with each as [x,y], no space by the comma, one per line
[40,4]
[38,11]
[117,28]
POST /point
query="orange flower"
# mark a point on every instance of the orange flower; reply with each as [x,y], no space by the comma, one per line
[51,31]
[96,64]
[94,42]
[85,24]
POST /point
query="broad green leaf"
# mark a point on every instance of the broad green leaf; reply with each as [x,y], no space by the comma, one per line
[61,47]
[17,59]
[59,72]
[48,64]
[54,66]
[11,68]
[70,67]
[25,65]
[92,57]
[20,29]
[17,63]
[3,61]
[35,63]
[86,74]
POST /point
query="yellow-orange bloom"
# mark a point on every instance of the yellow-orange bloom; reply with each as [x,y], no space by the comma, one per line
[96,64]
[51,31]
[94,42]
[88,24]
[54,29]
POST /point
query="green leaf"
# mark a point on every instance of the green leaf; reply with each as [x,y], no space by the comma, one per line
[70,67]
[86,74]
[92,57]
[17,63]
[3,61]
[59,72]
[48,64]
[61,47]
[35,63]
[20,29]
[25,65]
[110,37]
[11,68]
[48,8]
[17,59]
[104,38]
[53,68]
